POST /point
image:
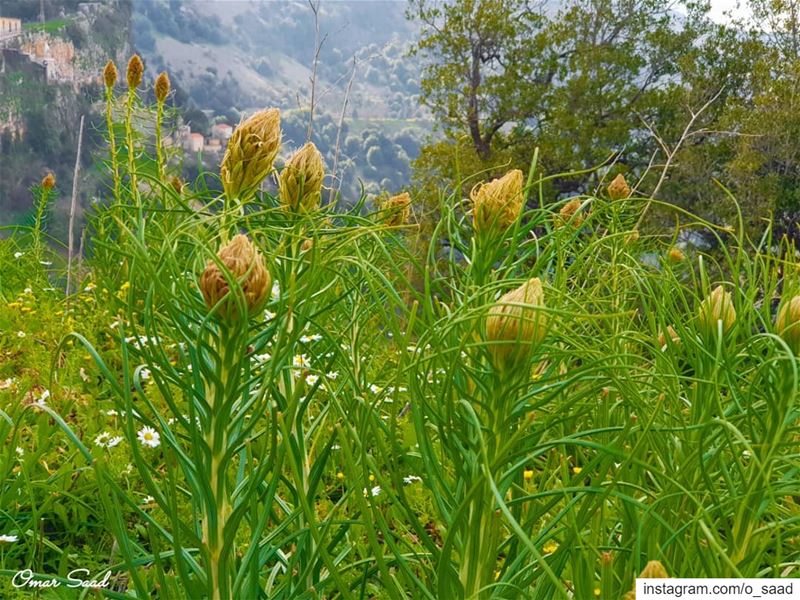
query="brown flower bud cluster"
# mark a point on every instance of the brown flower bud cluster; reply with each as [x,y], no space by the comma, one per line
[300,180]
[242,263]
[516,325]
[396,210]
[251,151]
[497,204]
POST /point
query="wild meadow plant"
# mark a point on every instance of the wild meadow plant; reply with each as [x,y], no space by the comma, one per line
[548,404]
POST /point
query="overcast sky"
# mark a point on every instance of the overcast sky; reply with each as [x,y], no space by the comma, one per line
[720,7]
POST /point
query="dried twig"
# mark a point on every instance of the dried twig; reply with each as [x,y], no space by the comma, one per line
[334,189]
[672,152]
[73,206]
[317,50]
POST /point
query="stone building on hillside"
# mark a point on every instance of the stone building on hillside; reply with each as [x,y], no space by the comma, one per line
[196,142]
[55,55]
[9,28]
[221,132]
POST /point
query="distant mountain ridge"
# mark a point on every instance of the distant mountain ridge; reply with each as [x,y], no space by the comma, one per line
[244,54]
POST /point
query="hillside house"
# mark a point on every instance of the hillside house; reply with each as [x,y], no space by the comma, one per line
[214,146]
[55,55]
[195,143]
[221,132]
[10,28]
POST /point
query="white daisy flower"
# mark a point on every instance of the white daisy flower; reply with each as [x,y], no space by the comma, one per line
[19,451]
[149,437]
[373,492]
[148,500]
[106,440]
[312,379]
[20,334]
[374,388]
[111,412]
[301,361]
[409,479]
[332,374]
[28,290]
[7,383]
[144,374]
[18,254]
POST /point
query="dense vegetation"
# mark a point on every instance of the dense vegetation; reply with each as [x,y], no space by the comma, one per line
[247,395]
[625,86]
[568,356]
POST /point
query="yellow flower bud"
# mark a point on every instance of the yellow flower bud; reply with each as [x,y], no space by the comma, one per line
[497,204]
[177,184]
[48,181]
[516,325]
[110,74]
[569,213]
[161,87]
[675,255]
[300,181]
[251,151]
[673,335]
[619,189]
[632,237]
[396,210]
[135,71]
[787,324]
[717,307]
[653,570]
[244,264]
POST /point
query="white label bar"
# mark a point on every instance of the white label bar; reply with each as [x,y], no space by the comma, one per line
[717,589]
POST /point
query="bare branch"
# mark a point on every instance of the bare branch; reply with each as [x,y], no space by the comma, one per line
[73,206]
[339,133]
[317,50]
[671,153]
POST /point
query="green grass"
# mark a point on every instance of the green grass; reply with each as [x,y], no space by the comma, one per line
[51,26]
[363,434]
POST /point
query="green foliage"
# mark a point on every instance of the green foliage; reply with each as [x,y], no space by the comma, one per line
[632,83]
[357,437]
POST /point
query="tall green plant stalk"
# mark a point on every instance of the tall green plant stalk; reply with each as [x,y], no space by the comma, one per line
[221,394]
[482,525]
[134,75]
[160,140]
[112,143]
[42,205]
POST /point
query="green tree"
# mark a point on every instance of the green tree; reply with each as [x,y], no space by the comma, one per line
[572,81]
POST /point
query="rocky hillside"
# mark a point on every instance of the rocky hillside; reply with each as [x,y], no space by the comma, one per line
[240,54]
[48,80]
